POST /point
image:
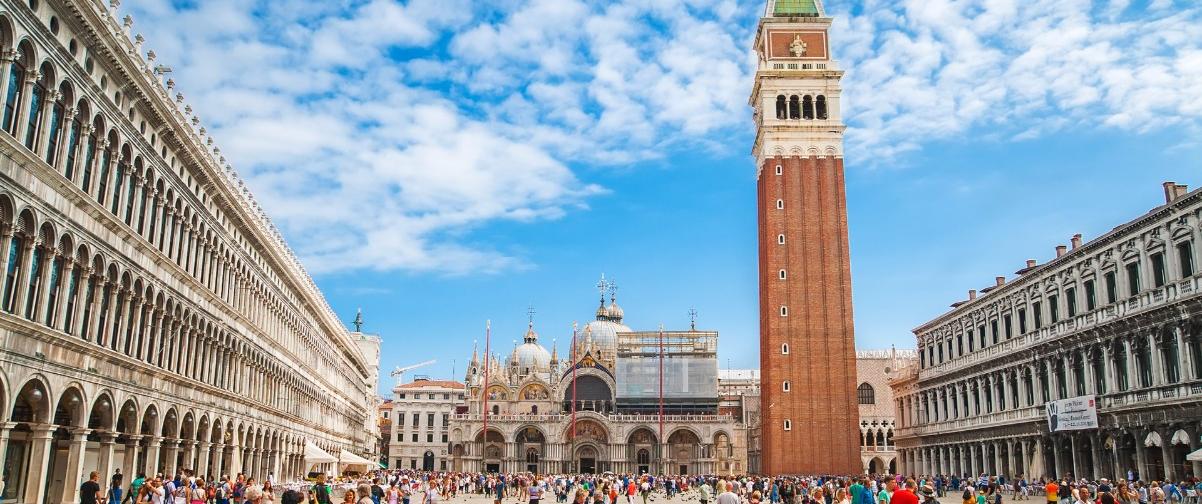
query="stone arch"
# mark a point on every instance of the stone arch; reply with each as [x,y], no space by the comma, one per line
[31,403]
[70,407]
[187,427]
[170,425]
[203,427]
[150,420]
[6,32]
[101,415]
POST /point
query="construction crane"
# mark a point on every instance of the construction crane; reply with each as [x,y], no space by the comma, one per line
[399,371]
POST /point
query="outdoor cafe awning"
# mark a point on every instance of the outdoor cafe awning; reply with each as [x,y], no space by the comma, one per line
[348,459]
[315,455]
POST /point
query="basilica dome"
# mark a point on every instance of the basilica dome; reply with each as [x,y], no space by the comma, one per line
[530,356]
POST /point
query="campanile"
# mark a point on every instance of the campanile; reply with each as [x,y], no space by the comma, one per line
[809,413]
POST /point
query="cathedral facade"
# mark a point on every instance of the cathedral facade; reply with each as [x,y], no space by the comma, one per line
[620,400]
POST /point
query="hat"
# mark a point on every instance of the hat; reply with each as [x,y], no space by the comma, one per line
[927,490]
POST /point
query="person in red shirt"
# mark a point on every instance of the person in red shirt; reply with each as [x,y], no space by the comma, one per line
[905,494]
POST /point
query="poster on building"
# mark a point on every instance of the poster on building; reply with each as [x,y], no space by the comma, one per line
[1074,413]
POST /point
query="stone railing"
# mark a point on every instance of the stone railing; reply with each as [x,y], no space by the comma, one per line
[1147,300]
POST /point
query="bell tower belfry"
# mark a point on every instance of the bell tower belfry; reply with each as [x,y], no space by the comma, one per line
[809,413]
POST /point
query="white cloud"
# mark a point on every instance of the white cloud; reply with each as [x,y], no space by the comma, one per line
[925,70]
[381,133]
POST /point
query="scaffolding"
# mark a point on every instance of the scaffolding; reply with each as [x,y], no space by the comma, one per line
[677,370]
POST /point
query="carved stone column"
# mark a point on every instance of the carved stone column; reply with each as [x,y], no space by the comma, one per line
[75,457]
[37,472]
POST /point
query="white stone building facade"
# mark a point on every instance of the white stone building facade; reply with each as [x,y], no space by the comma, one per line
[421,420]
[1118,318]
[874,369]
[151,317]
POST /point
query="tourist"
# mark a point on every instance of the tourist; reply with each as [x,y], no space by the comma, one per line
[929,496]
[725,496]
[253,495]
[115,487]
[431,496]
[320,490]
[292,497]
[198,495]
[363,491]
[89,491]
[703,493]
[886,493]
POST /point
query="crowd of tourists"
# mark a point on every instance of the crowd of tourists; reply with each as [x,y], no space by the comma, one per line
[422,487]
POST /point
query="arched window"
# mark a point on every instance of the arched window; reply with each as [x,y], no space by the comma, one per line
[496,410]
[794,108]
[52,288]
[781,112]
[35,108]
[57,109]
[73,132]
[820,105]
[16,83]
[89,157]
[784,349]
[866,393]
[106,157]
[788,425]
[785,386]
[16,251]
[780,239]
[807,107]
[69,300]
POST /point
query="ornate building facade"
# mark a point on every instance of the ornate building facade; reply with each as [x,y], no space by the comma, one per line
[874,369]
[1117,320]
[599,409]
[807,341]
[151,317]
[422,411]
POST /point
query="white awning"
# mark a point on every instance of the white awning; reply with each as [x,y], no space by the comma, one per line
[1180,437]
[1196,456]
[1153,439]
[315,455]
[348,459]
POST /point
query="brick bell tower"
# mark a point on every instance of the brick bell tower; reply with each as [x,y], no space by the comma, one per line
[809,412]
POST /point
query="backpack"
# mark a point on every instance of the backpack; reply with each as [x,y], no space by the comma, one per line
[966,496]
[221,492]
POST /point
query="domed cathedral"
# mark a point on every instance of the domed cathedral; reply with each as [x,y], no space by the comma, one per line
[605,406]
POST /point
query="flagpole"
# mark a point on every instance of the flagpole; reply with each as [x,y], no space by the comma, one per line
[661,384]
[487,355]
[574,367]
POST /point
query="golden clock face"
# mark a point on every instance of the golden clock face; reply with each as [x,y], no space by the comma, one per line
[793,44]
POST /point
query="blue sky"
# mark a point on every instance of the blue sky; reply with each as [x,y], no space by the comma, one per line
[443,162]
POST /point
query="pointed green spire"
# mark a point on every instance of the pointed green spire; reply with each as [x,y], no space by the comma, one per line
[800,8]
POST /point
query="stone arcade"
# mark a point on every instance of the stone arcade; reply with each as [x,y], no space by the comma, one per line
[1118,318]
[151,317]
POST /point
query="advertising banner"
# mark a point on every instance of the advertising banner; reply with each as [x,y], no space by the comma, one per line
[1074,413]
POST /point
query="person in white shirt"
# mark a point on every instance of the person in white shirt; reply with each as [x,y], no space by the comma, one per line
[725,496]
[156,491]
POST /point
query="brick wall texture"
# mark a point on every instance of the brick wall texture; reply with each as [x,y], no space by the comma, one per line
[821,364]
